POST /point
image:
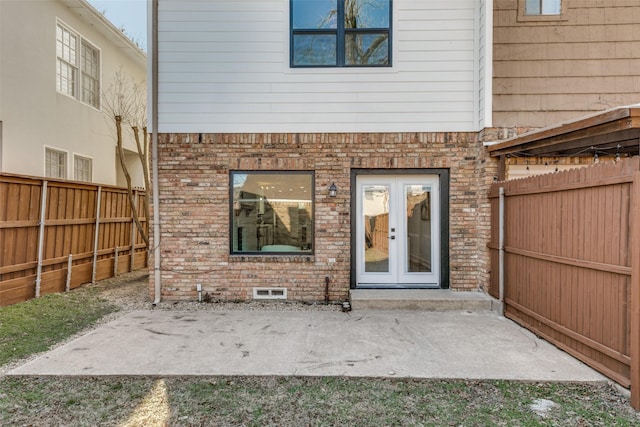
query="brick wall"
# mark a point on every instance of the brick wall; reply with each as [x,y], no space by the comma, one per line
[194,207]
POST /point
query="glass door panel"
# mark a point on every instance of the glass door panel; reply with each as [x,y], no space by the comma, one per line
[375,211]
[397,231]
[418,238]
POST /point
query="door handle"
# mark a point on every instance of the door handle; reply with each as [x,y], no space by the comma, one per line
[392,237]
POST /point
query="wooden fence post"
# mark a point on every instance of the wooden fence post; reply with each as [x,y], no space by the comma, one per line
[635,292]
[133,233]
[43,212]
[95,237]
[501,250]
[115,262]
[67,285]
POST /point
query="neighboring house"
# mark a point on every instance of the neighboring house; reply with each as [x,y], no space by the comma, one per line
[309,147]
[56,59]
[575,60]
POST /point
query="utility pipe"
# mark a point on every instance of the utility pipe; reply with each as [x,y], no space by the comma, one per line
[326,290]
[501,249]
[43,211]
[154,151]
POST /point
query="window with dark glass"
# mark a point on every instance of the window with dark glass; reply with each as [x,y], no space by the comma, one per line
[271,212]
[340,33]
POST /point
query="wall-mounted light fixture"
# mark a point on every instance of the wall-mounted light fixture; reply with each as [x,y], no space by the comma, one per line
[333,190]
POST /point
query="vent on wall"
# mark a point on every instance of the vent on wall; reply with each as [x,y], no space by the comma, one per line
[269,293]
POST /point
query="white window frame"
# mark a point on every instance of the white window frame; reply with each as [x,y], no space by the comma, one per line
[76,63]
[47,165]
[66,60]
[77,157]
[90,74]
[523,16]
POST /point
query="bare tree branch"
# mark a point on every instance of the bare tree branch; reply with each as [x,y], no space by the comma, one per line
[124,101]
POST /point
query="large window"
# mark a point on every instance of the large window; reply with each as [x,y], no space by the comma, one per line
[77,67]
[271,212]
[340,33]
[55,163]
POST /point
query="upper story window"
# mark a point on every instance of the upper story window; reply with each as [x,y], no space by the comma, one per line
[90,75]
[66,67]
[542,11]
[77,67]
[543,7]
[55,163]
[340,33]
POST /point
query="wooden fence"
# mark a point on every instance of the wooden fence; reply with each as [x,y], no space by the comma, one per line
[56,235]
[570,265]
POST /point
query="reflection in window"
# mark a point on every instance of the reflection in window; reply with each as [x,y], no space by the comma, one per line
[375,209]
[272,212]
[419,239]
[314,49]
[340,33]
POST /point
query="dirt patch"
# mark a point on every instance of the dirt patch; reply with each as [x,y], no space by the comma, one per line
[130,292]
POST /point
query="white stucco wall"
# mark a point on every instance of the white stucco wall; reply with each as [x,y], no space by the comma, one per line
[33,113]
[224,67]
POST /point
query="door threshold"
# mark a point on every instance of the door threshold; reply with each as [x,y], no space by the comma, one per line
[419,299]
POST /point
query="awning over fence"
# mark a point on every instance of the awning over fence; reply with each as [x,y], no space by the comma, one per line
[615,131]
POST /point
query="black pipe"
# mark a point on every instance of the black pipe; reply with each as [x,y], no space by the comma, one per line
[326,290]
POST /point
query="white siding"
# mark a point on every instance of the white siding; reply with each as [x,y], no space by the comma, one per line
[224,67]
[485,50]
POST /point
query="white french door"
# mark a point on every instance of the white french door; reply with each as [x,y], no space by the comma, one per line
[397,229]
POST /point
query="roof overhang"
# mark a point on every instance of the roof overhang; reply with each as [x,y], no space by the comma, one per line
[614,131]
[106,27]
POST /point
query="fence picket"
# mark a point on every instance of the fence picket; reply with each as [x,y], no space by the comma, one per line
[634,318]
[68,221]
[572,264]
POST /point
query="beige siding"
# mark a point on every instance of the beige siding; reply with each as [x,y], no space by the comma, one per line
[33,113]
[556,69]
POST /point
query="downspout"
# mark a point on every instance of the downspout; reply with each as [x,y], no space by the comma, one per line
[154,152]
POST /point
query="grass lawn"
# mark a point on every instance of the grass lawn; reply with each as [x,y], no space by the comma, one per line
[305,401]
[36,325]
